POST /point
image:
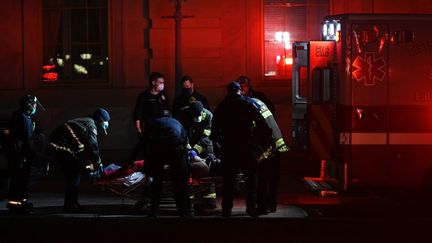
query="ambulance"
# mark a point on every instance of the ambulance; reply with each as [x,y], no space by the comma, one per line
[362,101]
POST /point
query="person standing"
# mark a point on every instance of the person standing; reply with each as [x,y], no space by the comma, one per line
[268,169]
[187,96]
[167,143]
[74,145]
[21,153]
[237,126]
[268,162]
[249,91]
[149,106]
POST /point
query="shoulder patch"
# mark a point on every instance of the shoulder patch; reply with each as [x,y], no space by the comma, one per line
[192,99]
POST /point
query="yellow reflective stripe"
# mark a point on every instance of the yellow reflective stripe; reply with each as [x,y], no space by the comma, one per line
[203,115]
[58,147]
[207,132]
[80,145]
[210,195]
[279,142]
[281,146]
[188,146]
[284,148]
[198,148]
[15,202]
[266,114]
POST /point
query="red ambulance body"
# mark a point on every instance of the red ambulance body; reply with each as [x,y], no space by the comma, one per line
[362,100]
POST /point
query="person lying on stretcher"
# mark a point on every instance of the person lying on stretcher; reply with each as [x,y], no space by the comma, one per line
[203,167]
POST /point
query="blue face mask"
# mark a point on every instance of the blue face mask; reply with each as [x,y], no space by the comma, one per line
[105,126]
[33,111]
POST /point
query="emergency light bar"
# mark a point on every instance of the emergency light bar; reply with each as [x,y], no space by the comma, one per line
[331,30]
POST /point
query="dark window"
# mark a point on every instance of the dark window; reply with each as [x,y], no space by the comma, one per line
[75,41]
[321,85]
[303,82]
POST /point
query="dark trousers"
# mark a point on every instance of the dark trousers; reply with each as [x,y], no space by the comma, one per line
[232,164]
[19,177]
[72,174]
[268,183]
[141,148]
[176,158]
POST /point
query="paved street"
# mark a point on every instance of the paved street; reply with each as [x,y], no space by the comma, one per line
[302,216]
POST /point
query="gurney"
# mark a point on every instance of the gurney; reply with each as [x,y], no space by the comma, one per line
[124,181]
[130,182]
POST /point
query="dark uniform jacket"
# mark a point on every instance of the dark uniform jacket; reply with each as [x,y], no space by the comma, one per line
[278,142]
[149,107]
[77,137]
[199,133]
[261,96]
[182,101]
[167,131]
[237,125]
[18,141]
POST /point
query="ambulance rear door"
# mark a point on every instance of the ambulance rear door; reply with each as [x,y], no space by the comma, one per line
[322,98]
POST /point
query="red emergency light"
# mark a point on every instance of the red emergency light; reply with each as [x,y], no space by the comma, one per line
[49,76]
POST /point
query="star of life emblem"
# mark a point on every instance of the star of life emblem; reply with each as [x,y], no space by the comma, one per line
[369,69]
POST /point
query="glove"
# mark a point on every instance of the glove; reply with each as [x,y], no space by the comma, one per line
[98,172]
[192,153]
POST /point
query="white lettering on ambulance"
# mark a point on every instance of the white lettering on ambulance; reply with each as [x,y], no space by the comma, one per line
[322,51]
[420,47]
[423,96]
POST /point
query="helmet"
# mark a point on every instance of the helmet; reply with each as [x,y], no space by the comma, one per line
[102,116]
[243,80]
[28,104]
[195,108]
[233,87]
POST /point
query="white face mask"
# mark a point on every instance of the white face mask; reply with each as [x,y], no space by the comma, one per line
[197,119]
[105,126]
[160,87]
